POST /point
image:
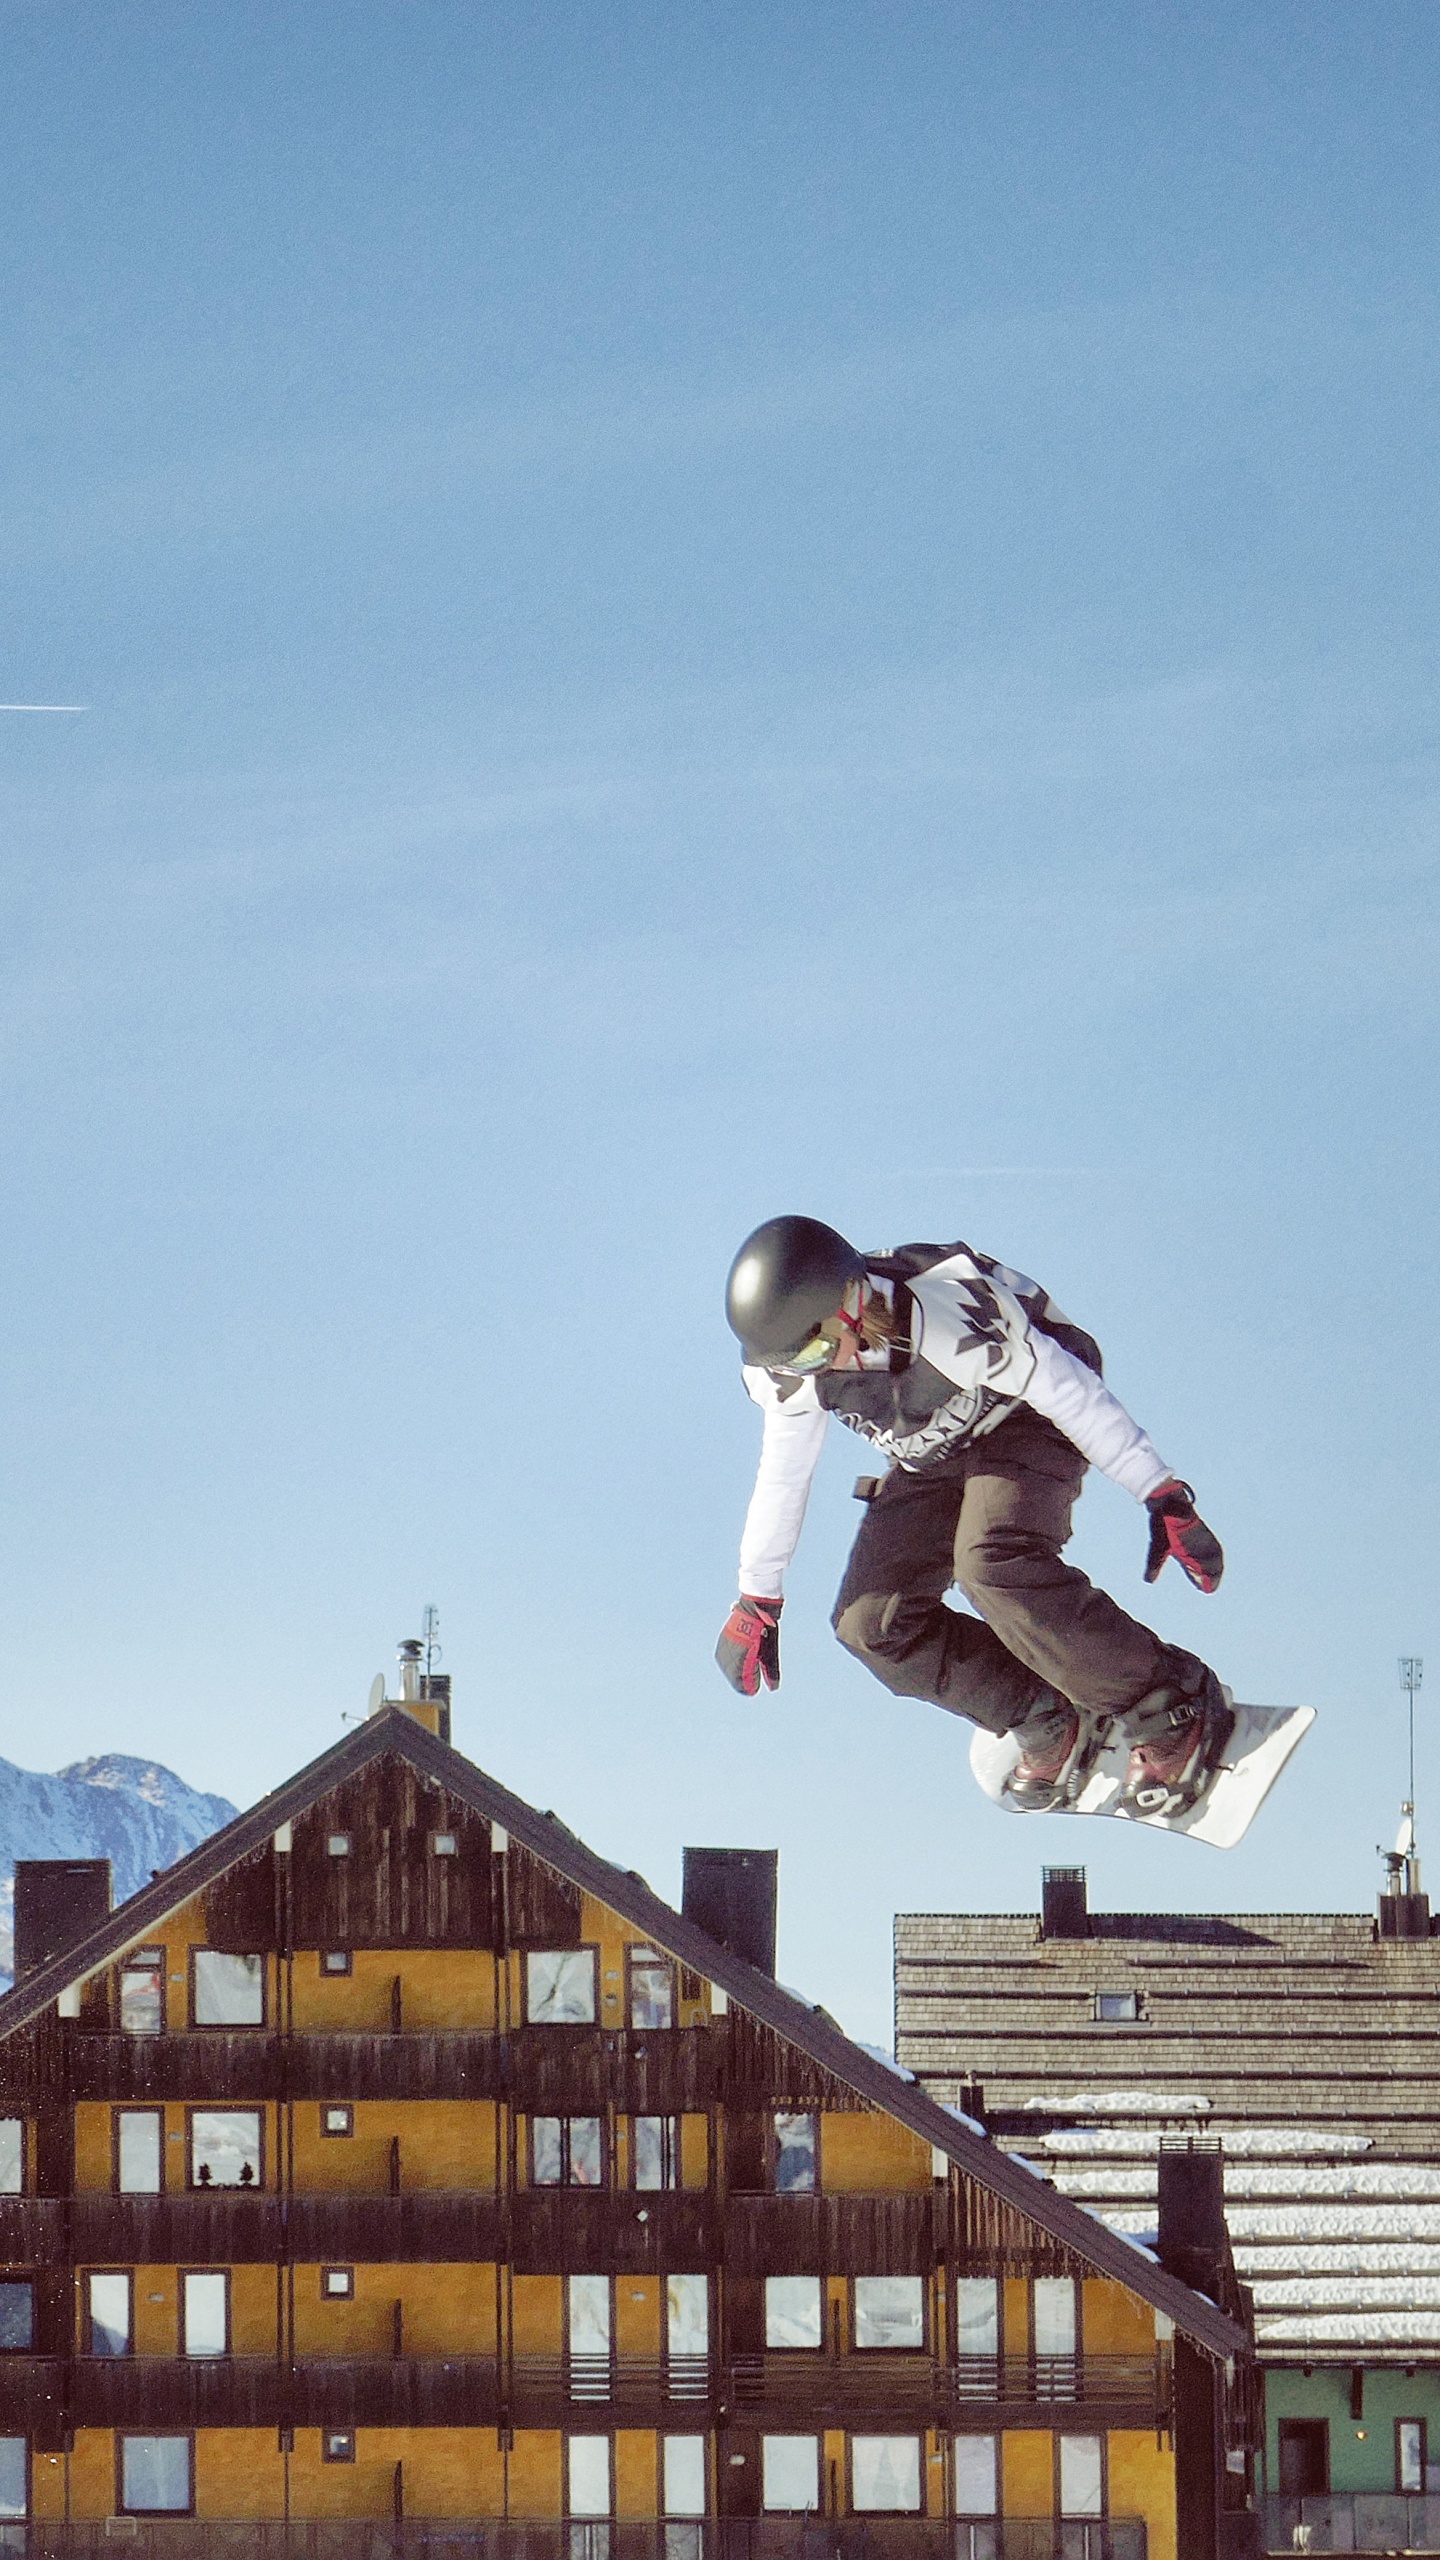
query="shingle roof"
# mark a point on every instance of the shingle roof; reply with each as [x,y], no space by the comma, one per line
[1303,2041]
[811,2030]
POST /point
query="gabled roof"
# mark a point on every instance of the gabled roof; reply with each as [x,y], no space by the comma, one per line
[811,2030]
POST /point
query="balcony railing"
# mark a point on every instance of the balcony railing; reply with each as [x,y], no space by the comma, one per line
[1357,2520]
[464,2538]
[861,2389]
[868,2378]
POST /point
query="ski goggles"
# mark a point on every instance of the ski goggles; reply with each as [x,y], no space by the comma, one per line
[819,1349]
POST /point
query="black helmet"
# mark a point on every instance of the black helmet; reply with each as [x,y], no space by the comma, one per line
[785,1282]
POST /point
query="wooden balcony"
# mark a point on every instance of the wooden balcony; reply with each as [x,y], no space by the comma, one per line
[547,2538]
[871,2392]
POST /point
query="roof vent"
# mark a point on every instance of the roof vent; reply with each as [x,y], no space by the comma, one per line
[731,1894]
[58,1901]
[1064,1912]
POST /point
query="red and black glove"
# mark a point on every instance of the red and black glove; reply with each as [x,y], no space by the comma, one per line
[1176,1529]
[749,1647]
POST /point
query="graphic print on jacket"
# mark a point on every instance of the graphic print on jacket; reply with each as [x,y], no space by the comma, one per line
[974,1316]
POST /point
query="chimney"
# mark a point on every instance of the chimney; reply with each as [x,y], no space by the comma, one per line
[1064,1912]
[58,1901]
[1194,2243]
[731,1895]
[1404,1909]
[425,1695]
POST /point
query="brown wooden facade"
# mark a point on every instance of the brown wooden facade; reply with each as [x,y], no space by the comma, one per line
[395,2163]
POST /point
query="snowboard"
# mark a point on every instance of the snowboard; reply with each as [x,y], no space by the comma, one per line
[1258,1749]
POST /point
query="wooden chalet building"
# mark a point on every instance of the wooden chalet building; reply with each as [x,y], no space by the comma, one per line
[395,2175]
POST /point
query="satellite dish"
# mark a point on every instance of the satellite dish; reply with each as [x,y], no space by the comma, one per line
[377,1693]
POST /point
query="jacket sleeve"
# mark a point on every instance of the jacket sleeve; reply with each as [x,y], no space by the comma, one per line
[794,1430]
[1081,1405]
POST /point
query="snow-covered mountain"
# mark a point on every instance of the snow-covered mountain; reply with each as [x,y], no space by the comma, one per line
[132,1812]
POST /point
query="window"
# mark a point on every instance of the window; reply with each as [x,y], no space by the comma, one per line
[797,2155]
[336,2122]
[687,2335]
[655,2151]
[587,2331]
[1304,2457]
[1082,2469]
[683,2476]
[337,2284]
[204,2314]
[142,1992]
[587,2475]
[1410,2455]
[14,2477]
[566,2151]
[337,2444]
[108,2313]
[17,2314]
[337,1844]
[337,1960]
[155,2475]
[560,1989]
[977,2307]
[794,2312]
[1053,2299]
[139,2151]
[227,1991]
[12,2164]
[225,2147]
[885,2475]
[1117,2008]
[789,2475]
[652,1988]
[977,2476]
[443,1844]
[889,2311]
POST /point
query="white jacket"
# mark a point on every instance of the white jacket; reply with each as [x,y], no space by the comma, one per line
[982,1340]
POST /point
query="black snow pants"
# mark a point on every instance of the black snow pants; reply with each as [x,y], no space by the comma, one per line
[993,1518]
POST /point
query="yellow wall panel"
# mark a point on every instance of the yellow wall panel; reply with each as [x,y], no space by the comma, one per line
[239,2471]
[539,2320]
[1115,2323]
[445,2310]
[1017,2316]
[94,2167]
[1027,2474]
[637,2476]
[1142,2483]
[253,2310]
[442,1990]
[871,2154]
[156,2292]
[47,2485]
[92,2473]
[449,2471]
[638,2315]
[445,2143]
[694,2151]
[535,2473]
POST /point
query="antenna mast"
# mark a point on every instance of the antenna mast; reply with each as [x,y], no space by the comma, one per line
[430,1638]
[1412,1672]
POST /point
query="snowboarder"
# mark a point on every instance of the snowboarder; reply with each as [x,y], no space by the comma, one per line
[990,1404]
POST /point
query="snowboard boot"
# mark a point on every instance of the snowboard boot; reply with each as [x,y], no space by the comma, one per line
[1175,1761]
[1057,1747]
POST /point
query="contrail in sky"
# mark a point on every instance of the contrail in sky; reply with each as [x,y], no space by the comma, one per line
[44,706]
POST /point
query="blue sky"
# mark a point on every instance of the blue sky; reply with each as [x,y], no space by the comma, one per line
[686,613]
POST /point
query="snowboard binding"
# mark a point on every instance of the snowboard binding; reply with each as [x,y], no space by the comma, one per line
[1173,1773]
[1054,1781]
